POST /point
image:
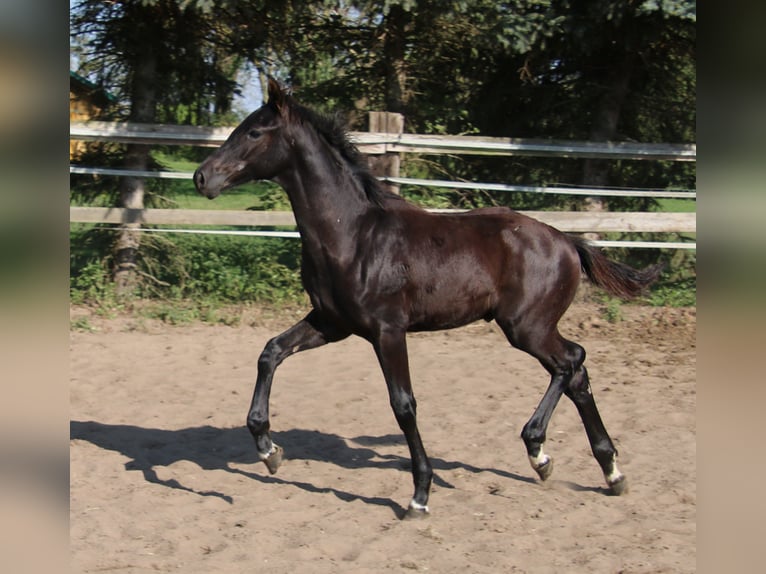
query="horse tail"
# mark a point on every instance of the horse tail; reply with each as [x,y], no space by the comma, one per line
[616,278]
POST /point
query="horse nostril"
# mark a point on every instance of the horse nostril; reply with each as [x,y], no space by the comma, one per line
[199,179]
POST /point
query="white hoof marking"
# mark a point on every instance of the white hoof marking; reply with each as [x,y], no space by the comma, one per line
[615,475]
[268,454]
[416,506]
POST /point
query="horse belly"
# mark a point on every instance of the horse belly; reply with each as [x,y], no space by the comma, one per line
[451,304]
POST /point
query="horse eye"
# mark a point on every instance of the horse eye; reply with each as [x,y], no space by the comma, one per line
[254,134]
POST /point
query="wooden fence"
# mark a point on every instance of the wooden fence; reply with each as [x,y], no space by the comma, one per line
[396,143]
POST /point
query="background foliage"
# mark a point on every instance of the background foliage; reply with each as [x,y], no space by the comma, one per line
[565,69]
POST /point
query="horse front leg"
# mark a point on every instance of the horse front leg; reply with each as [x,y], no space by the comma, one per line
[391,350]
[311,332]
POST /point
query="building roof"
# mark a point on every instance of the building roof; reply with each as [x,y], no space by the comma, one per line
[87,89]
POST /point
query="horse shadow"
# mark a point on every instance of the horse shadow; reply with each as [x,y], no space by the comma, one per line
[213,448]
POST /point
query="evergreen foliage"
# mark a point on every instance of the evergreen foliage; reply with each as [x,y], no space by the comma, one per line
[560,69]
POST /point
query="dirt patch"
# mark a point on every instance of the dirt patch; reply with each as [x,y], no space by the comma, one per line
[164,475]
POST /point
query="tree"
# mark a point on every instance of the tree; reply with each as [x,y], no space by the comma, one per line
[164,57]
[563,69]
[606,70]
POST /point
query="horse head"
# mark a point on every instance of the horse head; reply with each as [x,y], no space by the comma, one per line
[257,149]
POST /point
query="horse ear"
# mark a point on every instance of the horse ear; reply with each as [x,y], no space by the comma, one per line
[276,95]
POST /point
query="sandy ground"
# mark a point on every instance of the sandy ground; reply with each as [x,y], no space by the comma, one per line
[164,476]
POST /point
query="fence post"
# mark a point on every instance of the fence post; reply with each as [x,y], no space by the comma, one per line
[386,164]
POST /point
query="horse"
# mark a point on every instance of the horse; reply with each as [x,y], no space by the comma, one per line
[378,266]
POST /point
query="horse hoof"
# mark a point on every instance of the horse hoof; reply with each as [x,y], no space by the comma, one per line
[619,486]
[545,470]
[274,460]
[415,514]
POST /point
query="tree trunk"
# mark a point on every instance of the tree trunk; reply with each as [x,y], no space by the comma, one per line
[142,109]
[394,48]
[604,128]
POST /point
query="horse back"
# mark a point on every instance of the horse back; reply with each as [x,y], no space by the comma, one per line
[456,268]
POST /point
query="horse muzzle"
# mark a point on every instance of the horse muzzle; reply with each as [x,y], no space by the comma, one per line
[206,185]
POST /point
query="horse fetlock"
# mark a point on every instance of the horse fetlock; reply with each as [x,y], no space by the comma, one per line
[606,455]
[258,425]
[533,436]
[263,444]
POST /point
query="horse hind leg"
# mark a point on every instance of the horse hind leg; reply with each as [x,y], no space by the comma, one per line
[534,432]
[549,348]
[570,377]
[579,392]
[564,360]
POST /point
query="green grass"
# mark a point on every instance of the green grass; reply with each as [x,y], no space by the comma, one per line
[249,196]
[673,205]
[174,163]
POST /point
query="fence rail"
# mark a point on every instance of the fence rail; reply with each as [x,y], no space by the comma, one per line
[585,191]
[380,143]
[576,221]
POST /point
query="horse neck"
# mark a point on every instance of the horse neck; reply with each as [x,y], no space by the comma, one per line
[326,199]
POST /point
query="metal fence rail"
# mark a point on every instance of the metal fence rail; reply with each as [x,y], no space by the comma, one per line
[585,191]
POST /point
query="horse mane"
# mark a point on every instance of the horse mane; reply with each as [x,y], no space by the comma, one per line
[333,128]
